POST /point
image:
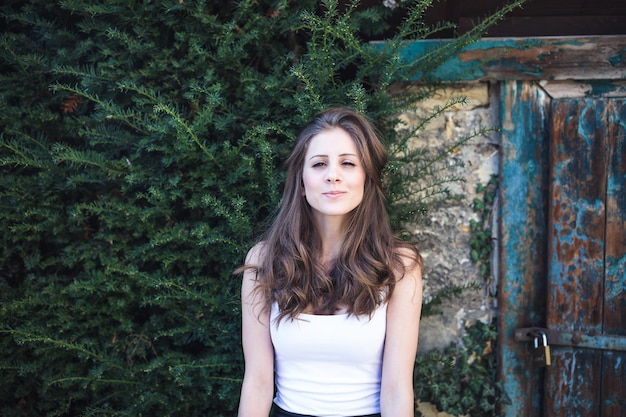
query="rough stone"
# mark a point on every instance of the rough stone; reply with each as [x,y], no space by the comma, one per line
[445,240]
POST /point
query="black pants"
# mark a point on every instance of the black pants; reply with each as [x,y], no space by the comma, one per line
[279,412]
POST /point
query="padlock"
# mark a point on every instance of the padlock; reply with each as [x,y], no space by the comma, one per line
[541,350]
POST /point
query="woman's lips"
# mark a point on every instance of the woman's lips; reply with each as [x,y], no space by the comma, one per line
[334,194]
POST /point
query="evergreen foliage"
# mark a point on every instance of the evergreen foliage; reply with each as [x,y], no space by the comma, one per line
[141,153]
[461,381]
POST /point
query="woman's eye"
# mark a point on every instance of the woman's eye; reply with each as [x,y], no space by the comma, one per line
[318,164]
[349,163]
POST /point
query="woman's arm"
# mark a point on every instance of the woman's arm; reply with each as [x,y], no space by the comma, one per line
[403,316]
[257,390]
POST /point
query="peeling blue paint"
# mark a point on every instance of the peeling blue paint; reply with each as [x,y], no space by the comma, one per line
[617,268]
[523,179]
[571,41]
[615,60]
[457,70]
[601,88]
[515,58]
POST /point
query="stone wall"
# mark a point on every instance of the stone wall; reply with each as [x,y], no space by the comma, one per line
[444,241]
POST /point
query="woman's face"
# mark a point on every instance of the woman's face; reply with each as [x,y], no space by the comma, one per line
[333,176]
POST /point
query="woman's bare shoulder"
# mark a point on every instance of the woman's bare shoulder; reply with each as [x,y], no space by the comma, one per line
[250,269]
[410,257]
[408,288]
[256,254]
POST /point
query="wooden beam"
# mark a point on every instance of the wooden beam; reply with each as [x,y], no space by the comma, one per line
[568,58]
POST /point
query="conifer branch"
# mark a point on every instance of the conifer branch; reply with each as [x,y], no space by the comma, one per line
[63,153]
[92,380]
[25,337]
[20,157]
[112,111]
[162,107]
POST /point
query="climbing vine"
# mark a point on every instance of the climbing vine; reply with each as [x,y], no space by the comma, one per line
[462,381]
[481,240]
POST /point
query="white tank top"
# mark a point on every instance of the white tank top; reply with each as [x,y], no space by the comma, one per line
[329,365]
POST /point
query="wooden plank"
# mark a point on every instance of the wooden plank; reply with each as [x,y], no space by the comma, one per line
[614,314]
[613,398]
[615,289]
[577,89]
[542,58]
[573,384]
[523,241]
[576,251]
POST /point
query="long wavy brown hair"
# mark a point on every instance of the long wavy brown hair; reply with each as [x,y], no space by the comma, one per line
[364,274]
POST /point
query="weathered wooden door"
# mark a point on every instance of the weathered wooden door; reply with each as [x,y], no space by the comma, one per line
[564,254]
[586,297]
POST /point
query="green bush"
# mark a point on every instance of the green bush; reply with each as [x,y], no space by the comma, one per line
[462,380]
[141,153]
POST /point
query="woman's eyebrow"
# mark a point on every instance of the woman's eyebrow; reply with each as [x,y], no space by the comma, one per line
[326,156]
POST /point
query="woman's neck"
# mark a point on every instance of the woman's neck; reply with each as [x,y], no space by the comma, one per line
[332,234]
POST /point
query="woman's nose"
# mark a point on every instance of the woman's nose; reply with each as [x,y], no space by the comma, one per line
[332,175]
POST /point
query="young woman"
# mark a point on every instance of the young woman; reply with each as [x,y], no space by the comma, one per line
[331,299]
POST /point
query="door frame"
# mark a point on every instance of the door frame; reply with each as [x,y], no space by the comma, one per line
[522,241]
